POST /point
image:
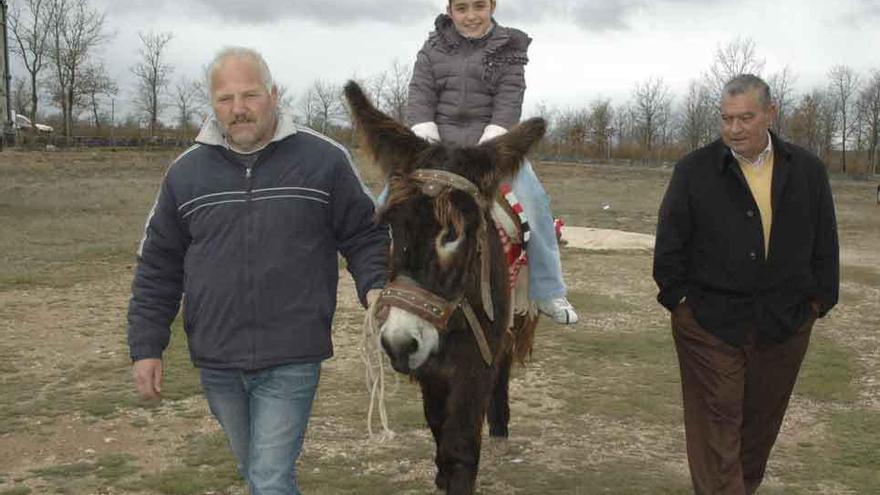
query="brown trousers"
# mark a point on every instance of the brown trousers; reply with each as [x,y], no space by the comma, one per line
[734,402]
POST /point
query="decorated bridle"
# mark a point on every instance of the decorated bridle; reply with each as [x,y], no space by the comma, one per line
[406,294]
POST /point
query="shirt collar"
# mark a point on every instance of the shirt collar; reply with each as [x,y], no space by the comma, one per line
[759,161]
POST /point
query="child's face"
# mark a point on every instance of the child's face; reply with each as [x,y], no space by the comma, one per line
[472,18]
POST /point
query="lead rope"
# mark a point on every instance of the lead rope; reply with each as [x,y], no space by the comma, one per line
[374,364]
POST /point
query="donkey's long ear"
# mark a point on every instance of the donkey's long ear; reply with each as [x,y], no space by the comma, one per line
[394,146]
[509,150]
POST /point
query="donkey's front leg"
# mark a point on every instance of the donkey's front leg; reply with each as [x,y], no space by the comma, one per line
[462,432]
[434,396]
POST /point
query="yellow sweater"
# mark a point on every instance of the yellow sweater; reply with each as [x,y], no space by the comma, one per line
[760,180]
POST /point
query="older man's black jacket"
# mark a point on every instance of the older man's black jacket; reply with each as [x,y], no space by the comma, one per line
[710,244]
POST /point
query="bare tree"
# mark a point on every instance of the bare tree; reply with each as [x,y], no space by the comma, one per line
[286,99]
[202,95]
[186,102]
[324,105]
[781,88]
[20,95]
[376,87]
[550,145]
[31,42]
[601,117]
[397,90]
[572,129]
[871,103]
[625,123]
[153,75]
[96,85]
[306,112]
[698,122]
[813,121]
[733,59]
[844,86]
[651,101]
[75,30]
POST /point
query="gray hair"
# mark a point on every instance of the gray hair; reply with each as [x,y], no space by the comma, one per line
[243,52]
[744,83]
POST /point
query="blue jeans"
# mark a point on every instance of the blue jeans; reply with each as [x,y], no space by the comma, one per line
[264,415]
[545,267]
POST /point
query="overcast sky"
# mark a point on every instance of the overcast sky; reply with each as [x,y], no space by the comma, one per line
[582,49]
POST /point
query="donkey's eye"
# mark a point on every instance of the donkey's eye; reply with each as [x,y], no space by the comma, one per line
[451,235]
[447,243]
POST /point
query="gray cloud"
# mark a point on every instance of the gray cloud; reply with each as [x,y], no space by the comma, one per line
[330,12]
[862,13]
[590,15]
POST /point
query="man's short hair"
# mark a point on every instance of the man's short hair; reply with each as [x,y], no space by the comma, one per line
[744,83]
[243,52]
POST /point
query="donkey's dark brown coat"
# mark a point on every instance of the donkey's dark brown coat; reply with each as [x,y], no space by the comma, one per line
[458,388]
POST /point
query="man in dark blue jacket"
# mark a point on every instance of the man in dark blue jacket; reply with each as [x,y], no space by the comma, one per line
[746,259]
[247,227]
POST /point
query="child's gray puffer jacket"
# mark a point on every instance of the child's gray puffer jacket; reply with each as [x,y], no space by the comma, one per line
[466,84]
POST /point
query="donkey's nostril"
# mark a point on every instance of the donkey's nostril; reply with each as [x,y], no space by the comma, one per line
[413,347]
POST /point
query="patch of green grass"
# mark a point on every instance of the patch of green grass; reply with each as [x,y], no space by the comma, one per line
[18,490]
[827,372]
[347,476]
[112,467]
[109,388]
[181,377]
[187,481]
[618,478]
[848,456]
[140,423]
[108,468]
[622,376]
[855,434]
[596,304]
[208,450]
[65,471]
[207,465]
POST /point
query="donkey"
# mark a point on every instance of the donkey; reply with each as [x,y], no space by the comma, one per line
[447,309]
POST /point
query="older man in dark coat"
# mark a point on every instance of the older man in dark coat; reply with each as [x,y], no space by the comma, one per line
[746,260]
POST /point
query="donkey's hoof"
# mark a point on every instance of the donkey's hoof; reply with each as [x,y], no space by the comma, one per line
[498,432]
[440,481]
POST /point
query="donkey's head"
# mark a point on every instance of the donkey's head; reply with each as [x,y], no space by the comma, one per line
[437,208]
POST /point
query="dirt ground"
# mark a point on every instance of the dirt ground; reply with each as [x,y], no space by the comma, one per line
[597,410]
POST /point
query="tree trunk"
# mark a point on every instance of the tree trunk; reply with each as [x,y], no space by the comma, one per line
[34,99]
[843,146]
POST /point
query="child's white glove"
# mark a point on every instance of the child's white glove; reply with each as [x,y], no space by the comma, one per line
[491,131]
[427,131]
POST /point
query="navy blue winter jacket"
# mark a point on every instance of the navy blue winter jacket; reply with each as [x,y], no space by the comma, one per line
[254,251]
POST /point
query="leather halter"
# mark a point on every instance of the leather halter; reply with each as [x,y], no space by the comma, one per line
[405,293]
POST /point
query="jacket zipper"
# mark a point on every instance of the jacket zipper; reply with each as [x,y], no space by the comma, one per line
[249,282]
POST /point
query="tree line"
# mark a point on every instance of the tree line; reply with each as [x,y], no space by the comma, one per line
[839,121]
[58,43]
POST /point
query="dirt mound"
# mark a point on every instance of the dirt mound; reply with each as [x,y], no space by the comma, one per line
[606,239]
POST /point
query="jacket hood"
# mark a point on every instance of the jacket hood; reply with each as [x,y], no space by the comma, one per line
[211,132]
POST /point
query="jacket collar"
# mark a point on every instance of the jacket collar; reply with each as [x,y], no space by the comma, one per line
[782,164]
[211,132]
[781,152]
